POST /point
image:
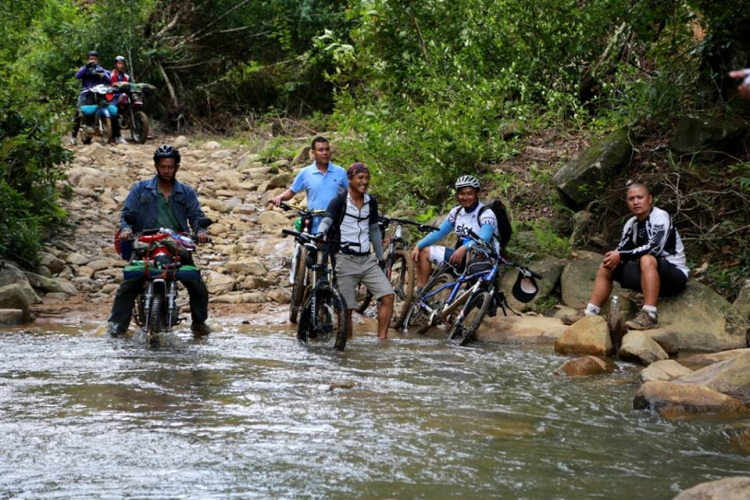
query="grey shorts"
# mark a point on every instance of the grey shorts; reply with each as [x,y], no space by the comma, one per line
[354,269]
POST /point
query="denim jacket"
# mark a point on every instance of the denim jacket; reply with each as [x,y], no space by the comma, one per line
[143,204]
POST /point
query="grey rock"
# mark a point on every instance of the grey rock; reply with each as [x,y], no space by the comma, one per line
[550,268]
[742,302]
[664,370]
[695,133]
[12,317]
[730,488]
[589,172]
[281,180]
[302,157]
[181,142]
[76,259]
[589,335]
[731,377]
[703,320]
[13,297]
[671,399]
[637,347]
[10,273]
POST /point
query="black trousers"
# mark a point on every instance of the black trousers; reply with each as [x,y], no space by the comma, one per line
[122,308]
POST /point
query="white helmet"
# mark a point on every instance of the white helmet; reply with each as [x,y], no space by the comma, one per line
[467,181]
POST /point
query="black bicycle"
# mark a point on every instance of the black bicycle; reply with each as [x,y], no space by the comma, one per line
[299,278]
[323,320]
[399,268]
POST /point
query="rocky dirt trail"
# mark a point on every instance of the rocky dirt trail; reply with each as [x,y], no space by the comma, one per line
[244,266]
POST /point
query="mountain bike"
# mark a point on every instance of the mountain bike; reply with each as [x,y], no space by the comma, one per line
[399,268]
[323,320]
[473,294]
[299,277]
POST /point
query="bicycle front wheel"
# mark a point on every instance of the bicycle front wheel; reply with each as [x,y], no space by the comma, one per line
[466,325]
[325,324]
[298,288]
[418,316]
[402,282]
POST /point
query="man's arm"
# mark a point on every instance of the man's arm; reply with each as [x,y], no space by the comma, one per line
[376,238]
[286,195]
[333,212]
[80,72]
[131,207]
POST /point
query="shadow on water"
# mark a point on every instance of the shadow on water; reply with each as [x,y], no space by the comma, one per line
[249,412]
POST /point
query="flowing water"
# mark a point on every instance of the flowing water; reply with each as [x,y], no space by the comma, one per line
[249,413]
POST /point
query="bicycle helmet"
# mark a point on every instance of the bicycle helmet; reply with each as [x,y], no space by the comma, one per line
[119,59]
[467,181]
[166,151]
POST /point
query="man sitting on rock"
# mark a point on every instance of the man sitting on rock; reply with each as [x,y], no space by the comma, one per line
[322,181]
[161,202]
[650,258]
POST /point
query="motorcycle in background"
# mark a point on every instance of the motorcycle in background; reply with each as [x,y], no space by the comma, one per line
[97,116]
[130,109]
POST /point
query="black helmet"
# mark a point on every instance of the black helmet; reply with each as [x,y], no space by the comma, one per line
[166,151]
[525,288]
[92,53]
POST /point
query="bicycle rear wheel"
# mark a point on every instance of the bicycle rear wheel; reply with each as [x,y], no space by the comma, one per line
[298,288]
[327,325]
[417,317]
[402,282]
[363,298]
[466,325]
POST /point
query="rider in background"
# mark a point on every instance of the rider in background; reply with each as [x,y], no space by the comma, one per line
[322,181]
[90,75]
[743,88]
[118,74]
[469,214]
[161,202]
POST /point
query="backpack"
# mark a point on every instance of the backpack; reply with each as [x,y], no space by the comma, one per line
[504,228]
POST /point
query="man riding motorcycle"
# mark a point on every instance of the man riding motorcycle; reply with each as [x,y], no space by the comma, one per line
[161,202]
[91,75]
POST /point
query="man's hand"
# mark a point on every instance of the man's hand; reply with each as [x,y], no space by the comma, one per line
[611,260]
[743,89]
[415,254]
[381,265]
[458,256]
[276,201]
[126,234]
[203,237]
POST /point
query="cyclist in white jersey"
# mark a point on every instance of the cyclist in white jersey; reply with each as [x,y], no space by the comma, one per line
[469,214]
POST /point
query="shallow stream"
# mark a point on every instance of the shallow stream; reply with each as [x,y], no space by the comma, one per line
[249,413]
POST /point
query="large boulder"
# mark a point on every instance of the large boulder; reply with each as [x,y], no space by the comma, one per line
[51,285]
[10,273]
[13,297]
[586,174]
[670,399]
[637,347]
[51,262]
[667,339]
[247,266]
[589,335]
[577,281]
[703,320]
[271,220]
[181,142]
[731,377]
[665,370]
[696,133]
[281,180]
[585,366]
[12,317]
[520,329]
[550,268]
[219,283]
[710,358]
[729,488]
[742,302]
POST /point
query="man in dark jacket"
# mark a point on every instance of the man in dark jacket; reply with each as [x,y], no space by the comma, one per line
[161,202]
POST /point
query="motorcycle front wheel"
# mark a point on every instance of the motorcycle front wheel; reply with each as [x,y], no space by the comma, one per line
[105,126]
[156,317]
[141,126]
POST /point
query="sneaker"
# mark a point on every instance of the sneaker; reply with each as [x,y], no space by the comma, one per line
[121,140]
[569,319]
[73,140]
[642,321]
[200,329]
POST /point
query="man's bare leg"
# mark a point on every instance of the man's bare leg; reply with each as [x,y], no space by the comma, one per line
[424,267]
[602,287]
[650,282]
[385,311]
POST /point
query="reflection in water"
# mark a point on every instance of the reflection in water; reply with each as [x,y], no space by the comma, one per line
[251,413]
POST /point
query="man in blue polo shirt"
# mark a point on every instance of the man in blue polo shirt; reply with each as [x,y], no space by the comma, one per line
[321,181]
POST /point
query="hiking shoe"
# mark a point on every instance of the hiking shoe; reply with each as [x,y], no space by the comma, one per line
[642,321]
[569,319]
[200,329]
[121,140]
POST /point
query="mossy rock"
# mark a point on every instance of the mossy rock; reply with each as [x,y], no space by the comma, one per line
[590,172]
[696,133]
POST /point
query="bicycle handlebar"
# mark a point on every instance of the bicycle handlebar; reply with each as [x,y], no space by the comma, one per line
[488,248]
[301,211]
[309,237]
[425,228]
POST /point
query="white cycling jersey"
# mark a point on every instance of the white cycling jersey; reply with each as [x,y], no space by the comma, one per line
[474,220]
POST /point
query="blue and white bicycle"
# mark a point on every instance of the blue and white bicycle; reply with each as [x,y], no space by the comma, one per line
[471,294]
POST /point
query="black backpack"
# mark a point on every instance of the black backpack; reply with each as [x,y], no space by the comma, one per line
[504,228]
